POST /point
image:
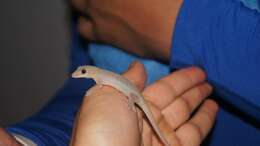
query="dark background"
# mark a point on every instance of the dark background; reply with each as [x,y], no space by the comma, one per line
[34,44]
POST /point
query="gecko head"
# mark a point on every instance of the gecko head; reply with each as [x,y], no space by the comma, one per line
[85,72]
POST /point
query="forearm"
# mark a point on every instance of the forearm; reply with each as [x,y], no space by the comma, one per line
[141,27]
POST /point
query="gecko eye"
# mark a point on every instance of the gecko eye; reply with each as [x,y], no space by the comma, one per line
[83,71]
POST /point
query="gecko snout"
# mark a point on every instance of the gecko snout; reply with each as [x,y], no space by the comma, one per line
[79,73]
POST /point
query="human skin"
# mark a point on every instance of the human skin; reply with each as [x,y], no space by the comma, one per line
[105,119]
[142,27]
[7,140]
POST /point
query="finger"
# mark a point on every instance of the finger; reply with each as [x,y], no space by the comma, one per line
[168,133]
[136,74]
[197,94]
[150,137]
[86,28]
[205,117]
[180,110]
[79,5]
[165,90]
[185,79]
[193,132]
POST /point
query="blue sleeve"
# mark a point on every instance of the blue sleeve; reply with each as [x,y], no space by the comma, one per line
[223,38]
[52,126]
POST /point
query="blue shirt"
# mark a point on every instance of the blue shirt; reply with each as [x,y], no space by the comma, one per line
[223,37]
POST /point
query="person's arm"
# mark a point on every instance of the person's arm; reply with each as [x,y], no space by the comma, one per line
[143,27]
[223,38]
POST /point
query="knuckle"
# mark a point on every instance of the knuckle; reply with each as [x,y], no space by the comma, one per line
[195,131]
[185,105]
[168,86]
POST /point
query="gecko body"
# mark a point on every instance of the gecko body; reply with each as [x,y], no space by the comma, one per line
[104,77]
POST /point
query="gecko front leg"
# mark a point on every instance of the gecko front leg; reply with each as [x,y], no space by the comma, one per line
[99,83]
[97,86]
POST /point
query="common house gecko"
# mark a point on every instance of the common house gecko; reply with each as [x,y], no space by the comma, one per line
[120,83]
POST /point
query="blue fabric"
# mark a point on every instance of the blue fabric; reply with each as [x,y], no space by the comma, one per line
[52,126]
[113,59]
[223,37]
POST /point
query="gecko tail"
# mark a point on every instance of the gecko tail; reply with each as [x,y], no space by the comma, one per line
[149,115]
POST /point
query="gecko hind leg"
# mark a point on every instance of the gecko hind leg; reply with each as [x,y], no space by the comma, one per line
[131,102]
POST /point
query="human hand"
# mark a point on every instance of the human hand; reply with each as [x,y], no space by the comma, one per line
[142,27]
[104,117]
[7,140]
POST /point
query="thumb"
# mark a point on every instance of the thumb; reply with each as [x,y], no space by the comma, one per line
[136,74]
